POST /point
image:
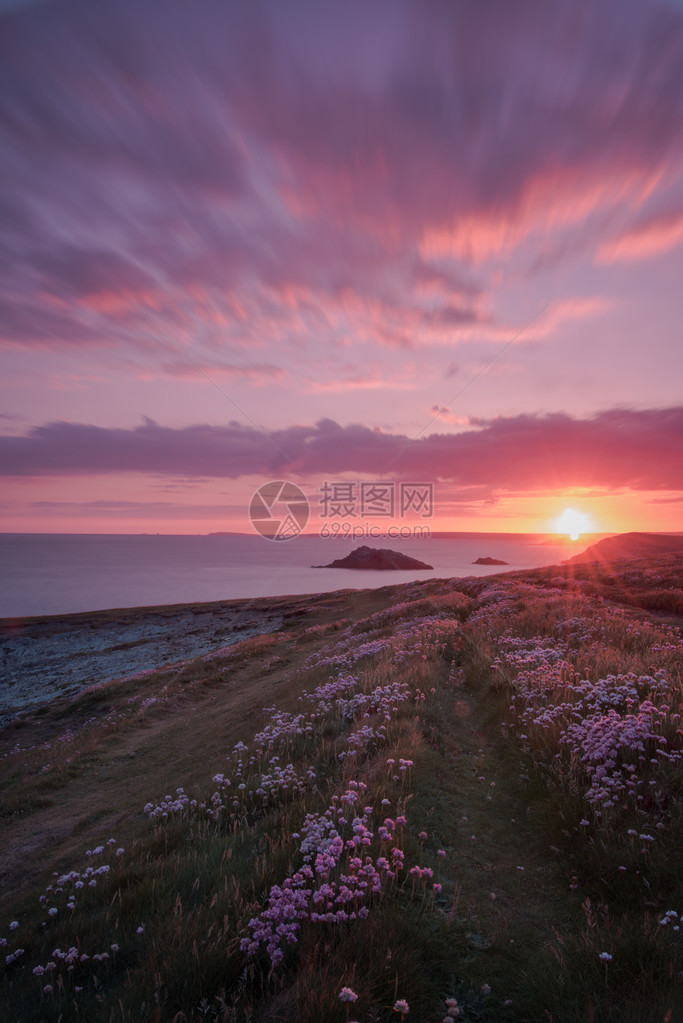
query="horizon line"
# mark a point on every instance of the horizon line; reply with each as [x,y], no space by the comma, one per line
[434,533]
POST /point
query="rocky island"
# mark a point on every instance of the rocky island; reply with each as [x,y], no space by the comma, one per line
[376,558]
[489,561]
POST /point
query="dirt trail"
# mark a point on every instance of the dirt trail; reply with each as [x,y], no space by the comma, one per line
[505,884]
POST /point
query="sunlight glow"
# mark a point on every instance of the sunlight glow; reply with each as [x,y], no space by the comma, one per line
[573,523]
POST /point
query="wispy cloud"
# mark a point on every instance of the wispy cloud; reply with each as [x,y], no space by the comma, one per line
[256,372]
[446,416]
[131,509]
[649,238]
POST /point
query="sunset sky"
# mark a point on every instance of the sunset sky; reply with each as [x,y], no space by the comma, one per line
[377,240]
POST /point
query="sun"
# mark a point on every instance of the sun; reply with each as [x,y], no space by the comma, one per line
[573,523]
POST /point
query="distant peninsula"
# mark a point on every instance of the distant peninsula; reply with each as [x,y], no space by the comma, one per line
[489,561]
[629,545]
[376,559]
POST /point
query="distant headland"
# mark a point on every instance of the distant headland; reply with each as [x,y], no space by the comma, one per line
[628,545]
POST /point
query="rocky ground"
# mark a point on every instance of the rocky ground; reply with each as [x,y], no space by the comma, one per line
[44,658]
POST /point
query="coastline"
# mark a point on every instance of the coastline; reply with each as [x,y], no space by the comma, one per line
[51,658]
[44,658]
[47,657]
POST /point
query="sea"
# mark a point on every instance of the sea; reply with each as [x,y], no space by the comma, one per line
[57,574]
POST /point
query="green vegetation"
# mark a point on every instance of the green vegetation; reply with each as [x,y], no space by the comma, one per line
[464,795]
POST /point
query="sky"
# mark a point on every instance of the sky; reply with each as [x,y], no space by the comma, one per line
[436,241]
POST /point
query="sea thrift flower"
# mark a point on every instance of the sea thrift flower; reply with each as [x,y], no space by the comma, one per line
[347,994]
[606,957]
[401,1006]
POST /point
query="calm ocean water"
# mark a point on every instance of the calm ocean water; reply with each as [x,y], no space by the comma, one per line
[45,574]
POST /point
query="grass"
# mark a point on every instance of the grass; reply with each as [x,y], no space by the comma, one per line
[468,707]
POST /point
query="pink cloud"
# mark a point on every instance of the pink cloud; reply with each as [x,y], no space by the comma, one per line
[564,311]
[650,238]
[362,381]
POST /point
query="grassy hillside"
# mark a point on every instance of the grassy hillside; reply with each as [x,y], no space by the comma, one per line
[452,799]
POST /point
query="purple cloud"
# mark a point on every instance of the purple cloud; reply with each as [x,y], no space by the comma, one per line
[618,448]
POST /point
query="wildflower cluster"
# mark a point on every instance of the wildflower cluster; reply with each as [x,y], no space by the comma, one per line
[338,878]
[672,919]
[348,854]
[70,968]
[426,635]
[255,785]
[614,739]
[347,863]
